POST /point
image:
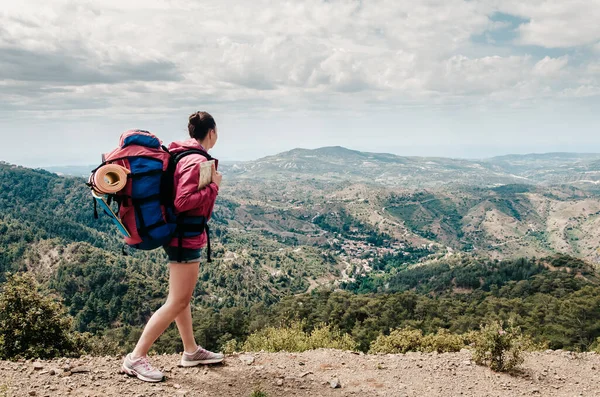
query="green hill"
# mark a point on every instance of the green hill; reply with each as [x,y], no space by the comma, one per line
[284,248]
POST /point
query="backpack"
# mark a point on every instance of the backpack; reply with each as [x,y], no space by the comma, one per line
[146,204]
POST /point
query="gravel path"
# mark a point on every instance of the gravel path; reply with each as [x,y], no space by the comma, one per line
[314,373]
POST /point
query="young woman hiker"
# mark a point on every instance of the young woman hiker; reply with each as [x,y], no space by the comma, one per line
[183,266]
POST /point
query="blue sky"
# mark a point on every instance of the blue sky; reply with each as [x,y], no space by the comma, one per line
[432,78]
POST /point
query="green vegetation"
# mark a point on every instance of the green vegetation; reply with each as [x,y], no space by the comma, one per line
[294,339]
[267,256]
[259,393]
[31,324]
[412,340]
[421,210]
[500,348]
[340,222]
[475,274]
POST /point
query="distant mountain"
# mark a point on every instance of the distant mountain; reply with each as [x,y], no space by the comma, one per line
[553,156]
[339,164]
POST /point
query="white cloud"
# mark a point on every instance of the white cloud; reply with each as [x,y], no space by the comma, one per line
[71,60]
[550,67]
[556,23]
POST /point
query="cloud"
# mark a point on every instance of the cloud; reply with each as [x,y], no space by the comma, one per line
[77,66]
[158,55]
[556,23]
[550,67]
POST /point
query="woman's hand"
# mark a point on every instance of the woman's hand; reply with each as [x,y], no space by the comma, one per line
[216,176]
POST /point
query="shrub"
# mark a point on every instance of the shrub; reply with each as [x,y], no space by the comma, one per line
[259,393]
[33,325]
[443,342]
[404,340]
[500,348]
[102,345]
[294,339]
[230,347]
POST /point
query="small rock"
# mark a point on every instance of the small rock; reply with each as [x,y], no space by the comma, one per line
[279,382]
[301,363]
[467,362]
[66,368]
[305,373]
[33,393]
[247,359]
[335,383]
[177,386]
[80,370]
[38,366]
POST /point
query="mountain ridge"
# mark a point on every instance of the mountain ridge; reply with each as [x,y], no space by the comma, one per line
[346,153]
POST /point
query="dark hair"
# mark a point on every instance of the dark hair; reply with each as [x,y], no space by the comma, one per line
[199,125]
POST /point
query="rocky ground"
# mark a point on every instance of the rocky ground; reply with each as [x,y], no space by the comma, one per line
[314,373]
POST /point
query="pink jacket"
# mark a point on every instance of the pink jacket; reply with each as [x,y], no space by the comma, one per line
[187,196]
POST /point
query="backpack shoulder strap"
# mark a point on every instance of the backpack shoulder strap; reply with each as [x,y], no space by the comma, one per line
[177,158]
[181,227]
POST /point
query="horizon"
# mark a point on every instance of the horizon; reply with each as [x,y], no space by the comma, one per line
[336,146]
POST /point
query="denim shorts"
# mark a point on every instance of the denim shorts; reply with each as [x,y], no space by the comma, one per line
[188,255]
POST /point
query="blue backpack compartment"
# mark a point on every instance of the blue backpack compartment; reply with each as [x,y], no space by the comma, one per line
[153,228]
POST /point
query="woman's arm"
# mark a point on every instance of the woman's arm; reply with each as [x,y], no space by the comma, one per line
[188,196]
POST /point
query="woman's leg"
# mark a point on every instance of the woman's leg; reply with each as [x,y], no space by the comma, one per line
[184,325]
[182,281]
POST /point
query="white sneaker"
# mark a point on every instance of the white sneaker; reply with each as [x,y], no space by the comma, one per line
[200,356]
[141,368]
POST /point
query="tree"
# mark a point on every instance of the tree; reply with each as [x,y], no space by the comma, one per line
[33,325]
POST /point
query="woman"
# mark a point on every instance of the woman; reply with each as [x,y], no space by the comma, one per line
[183,270]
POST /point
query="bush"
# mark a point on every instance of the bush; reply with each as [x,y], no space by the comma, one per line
[443,342]
[259,393]
[500,348]
[404,340]
[230,347]
[102,345]
[33,325]
[295,339]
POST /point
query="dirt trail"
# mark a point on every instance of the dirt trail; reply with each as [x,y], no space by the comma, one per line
[309,374]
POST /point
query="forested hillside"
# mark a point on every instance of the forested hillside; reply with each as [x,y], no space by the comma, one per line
[363,258]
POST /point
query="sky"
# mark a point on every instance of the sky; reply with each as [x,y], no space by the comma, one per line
[450,78]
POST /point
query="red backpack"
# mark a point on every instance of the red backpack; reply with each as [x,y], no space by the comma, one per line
[145,203]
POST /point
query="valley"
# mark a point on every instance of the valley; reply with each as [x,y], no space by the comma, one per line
[303,223]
